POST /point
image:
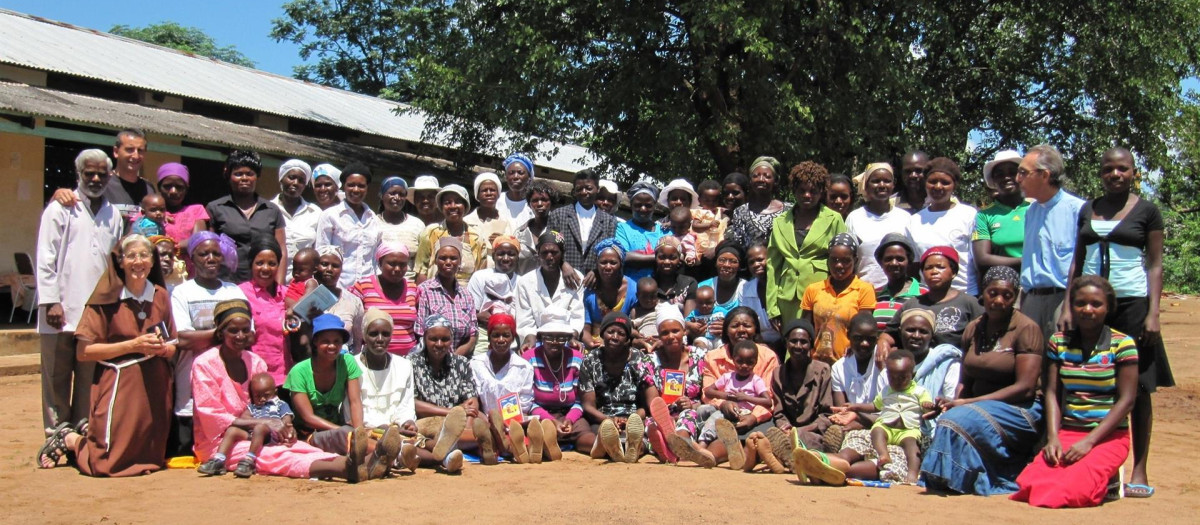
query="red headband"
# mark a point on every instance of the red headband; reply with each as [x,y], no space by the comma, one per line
[501,319]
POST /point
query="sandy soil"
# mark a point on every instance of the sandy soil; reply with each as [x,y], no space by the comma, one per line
[577,489]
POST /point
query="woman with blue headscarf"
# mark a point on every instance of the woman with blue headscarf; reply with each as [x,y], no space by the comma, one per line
[638,237]
[518,171]
[613,292]
[396,224]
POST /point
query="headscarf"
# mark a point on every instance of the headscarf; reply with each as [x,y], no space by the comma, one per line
[1002,273]
[390,247]
[641,187]
[517,157]
[923,313]
[945,165]
[945,251]
[610,242]
[731,247]
[226,311]
[296,164]
[435,321]
[452,242]
[330,249]
[506,239]
[769,162]
[618,319]
[551,236]
[861,179]
[327,170]
[155,239]
[666,312]
[227,246]
[669,240]
[174,169]
[801,323]
[374,314]
[147,227]
[845,239]
[498,319]
[484,177]
[391,182]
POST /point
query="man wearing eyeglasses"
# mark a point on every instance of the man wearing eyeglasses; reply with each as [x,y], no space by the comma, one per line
[1050,227]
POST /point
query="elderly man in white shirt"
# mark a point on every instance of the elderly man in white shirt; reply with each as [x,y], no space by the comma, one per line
[73,252]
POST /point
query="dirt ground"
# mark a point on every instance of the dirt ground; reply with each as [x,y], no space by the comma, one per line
[578,489]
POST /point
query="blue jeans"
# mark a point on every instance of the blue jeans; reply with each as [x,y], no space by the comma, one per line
[981,448]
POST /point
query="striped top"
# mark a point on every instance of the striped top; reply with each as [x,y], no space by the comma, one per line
[886,305]
[403,311]
[1090,388]
[548,383]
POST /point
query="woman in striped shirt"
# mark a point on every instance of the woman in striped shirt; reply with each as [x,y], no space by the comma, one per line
[391,292]
[1090,385]
[556,396]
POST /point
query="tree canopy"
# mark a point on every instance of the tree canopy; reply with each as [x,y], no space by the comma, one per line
[188,39]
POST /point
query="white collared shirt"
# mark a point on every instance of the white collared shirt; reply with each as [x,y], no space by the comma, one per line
[517,212]
[147,295]
[300,229]
[72,254]
[537,306]
[516,377]
[586,218]
[358,237]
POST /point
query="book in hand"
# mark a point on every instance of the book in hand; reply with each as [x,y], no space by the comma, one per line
[510,408]
[673,381]
[321,299]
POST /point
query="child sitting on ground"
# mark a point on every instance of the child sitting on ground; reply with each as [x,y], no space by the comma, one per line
[264,404]
[741,387]
[901,407]
[645,322]
[681,228]
[701,319]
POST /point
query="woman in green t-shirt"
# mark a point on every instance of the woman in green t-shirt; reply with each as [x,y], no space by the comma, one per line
[319,386]
[1000,228]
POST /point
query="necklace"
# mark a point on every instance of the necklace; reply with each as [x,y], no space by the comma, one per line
[562,361]
[141,314]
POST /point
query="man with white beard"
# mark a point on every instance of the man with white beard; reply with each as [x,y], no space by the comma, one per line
[73,252]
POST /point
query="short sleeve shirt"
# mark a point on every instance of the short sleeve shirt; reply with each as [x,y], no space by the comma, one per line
[832,312]
[229,220]
[1004,226]
[991,369]
[325,405]
[615,395]
[1089,384]
[452,387]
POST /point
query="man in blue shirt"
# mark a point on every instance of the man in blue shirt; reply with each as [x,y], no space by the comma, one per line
[1051,224]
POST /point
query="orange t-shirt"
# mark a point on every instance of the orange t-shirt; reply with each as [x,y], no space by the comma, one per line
[831,315]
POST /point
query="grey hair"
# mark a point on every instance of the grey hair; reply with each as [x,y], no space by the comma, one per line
[135,238]
[1049,159]
[91,155]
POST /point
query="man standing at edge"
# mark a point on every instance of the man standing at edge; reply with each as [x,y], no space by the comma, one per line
[1050,227]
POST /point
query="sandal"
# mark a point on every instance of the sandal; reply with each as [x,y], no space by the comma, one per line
[55,446]
[1137,490]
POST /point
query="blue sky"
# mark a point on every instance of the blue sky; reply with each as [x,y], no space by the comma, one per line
[245,24]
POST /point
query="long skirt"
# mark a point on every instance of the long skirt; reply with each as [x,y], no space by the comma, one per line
[982,447]
[129,420]
[1079,484]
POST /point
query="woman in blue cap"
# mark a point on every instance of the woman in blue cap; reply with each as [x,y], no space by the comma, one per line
[321,383]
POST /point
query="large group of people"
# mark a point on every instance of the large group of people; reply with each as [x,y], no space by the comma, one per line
[874,328]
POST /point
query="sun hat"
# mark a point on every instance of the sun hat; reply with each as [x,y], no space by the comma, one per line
[456,190]
[1008,155]
[423,183]
[678,184]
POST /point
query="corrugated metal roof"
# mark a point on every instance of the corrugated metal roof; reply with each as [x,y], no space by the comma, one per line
[47,45]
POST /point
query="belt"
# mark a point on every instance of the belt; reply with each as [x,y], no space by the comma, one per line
[1045,291]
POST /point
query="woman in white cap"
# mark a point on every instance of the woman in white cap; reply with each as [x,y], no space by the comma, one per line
[423,196]
[1000,228]
[874,220]
[543,294]
[327,185]
[299,216]
[608,197]
[454,204]
[488,221]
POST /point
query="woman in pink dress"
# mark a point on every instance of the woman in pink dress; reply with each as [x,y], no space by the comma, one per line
[267,308]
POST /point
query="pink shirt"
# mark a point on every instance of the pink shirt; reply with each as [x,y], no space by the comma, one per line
[184,222]
[268,312]
[754,386]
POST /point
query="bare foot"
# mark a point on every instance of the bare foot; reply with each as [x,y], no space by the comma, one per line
[913,478]
[884,459]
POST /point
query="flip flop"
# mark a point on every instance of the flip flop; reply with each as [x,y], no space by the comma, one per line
[1137,490]
[816,465]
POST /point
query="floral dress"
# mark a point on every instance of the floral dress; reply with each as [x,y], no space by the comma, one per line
[747,228]
[651,371]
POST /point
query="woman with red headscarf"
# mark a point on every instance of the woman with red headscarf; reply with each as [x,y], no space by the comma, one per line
[502,377]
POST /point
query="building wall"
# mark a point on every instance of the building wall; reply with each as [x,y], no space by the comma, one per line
[22,158]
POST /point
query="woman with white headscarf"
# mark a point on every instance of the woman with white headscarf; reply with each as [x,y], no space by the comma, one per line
[486,219]
[299,216]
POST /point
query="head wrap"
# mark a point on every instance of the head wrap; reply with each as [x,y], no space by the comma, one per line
[457,191]
[861,179]
[610,242]
[435,321]
[226,311]
[731,247]
[678,184]
[610,186]
[501,318]
[666,312]
[769,162]
[390,247]
[801,323]
[668,240]
[944,165]
[617,318]
[174,169]
[944,251]
[374,314]
[296,164]
[147,227]
[845,239]
[641,187]
[327,170]
[487,176]
[551,236]
[391,182]
[893,239]
[1002,273]
[503,239]
[227,246]
[330,249]
[452,242]
[155,239]
[923,313]
[517,157]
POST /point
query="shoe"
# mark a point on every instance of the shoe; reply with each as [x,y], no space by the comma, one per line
[751,452]
[832,439]
[483,436]
[453,462]
[516,439]
[767,455]
[245,468]
[385,454]
[634,430]
[408,457]
[610,440]
[212,467]
[497,426]
[688,450]
[452,428]
[728,435]
[536,440]
[661,414]
[550,440]
[356,455]
[658,445]
[816,465]
[781,446]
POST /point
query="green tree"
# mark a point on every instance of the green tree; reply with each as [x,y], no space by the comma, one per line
[188,39]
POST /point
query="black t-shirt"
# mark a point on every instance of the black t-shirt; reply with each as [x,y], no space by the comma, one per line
[952,317]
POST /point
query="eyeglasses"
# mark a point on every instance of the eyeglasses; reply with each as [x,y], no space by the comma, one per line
[137,256]
[556,338]
[1022,172]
